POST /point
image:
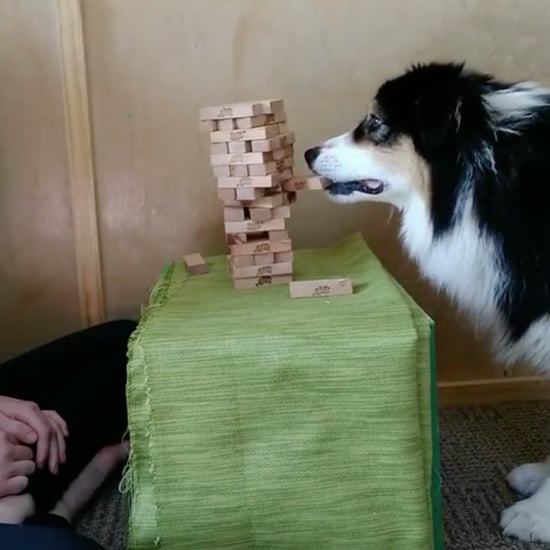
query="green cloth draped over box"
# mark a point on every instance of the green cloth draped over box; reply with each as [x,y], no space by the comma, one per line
[258,421]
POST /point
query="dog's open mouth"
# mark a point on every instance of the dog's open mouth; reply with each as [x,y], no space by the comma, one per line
[368,186]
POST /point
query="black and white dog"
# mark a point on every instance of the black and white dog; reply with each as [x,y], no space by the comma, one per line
[466,159]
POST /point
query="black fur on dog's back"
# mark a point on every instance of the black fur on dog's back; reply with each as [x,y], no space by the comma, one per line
[503,155]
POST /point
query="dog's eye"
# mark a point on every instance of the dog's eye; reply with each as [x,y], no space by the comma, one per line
[376,129]
[373,123]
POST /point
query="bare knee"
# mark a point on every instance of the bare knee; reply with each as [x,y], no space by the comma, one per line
[16,508]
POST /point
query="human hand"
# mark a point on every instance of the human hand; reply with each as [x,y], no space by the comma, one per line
[25,422]
[16,465]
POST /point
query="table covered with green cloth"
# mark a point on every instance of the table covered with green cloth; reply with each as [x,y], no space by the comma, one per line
[261,421]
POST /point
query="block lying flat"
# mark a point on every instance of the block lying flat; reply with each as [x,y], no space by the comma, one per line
[320,288]
[195,264]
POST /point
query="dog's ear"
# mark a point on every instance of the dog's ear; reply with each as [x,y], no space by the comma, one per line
[439,119]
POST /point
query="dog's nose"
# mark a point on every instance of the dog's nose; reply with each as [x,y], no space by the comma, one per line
[311,154]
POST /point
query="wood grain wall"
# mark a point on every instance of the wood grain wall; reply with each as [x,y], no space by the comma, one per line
[150,66]
[38,285]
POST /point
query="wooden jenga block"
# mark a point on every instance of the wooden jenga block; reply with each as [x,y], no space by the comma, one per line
[238,170]
[208,125]
[281,212]
[241,261]
[226,124]
[266,280]
[272,105]
[263,132]
[261,120]
[270,167]
[283,257]
[236,239]
[239,146]
[195,264]
[227,195]
[260,214]
[321,288]
[219,148]
[260,270]
[289,186]
[242,158]
[277,142]
[232,110]
[233,214]
[221,171]
[271,201]
[278,235]
[249,181]
[284,152]
[260,247]
[286,174]
[254,121]
[262,259]
[283,128]
[249,193]
[253,227]
[310,183]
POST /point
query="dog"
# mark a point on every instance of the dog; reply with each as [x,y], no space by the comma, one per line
[465,158]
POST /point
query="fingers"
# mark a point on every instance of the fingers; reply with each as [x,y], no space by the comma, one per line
[23,468]
[31,414]
[14,486]
[20,452]
[59,430]
[52,415]
[19,430]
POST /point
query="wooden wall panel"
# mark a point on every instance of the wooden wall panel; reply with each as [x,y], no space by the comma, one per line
[153,64]
[38,291]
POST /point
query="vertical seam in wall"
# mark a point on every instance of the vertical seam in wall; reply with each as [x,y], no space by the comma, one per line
[81,165]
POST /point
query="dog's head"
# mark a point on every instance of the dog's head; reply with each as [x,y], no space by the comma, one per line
[414,119]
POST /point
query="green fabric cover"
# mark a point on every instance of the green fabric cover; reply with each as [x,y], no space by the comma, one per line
[258,421]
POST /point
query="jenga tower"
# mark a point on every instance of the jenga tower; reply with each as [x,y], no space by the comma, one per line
[252,156]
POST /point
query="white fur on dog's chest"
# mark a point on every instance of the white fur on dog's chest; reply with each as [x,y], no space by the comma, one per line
[466,264]
[461,261]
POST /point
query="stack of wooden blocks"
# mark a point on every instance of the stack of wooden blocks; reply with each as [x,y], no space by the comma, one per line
[252,157]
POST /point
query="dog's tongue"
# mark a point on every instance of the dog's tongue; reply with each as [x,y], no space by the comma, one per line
[373,185]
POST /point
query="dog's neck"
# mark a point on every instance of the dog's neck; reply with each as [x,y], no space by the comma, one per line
[462,261]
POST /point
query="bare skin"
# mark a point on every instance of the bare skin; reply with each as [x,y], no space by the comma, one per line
[22,423]
[15,509]
[84,487]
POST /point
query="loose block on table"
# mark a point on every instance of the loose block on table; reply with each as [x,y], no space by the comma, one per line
[320,288]
[195,264]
